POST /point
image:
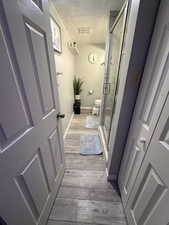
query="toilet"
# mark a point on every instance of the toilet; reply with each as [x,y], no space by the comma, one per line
[96,107]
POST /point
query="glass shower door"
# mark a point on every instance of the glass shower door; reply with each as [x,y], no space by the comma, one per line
[116,45]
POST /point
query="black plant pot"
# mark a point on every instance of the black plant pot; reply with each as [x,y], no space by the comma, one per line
[76,107]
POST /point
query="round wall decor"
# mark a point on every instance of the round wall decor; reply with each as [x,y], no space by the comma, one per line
[92,58]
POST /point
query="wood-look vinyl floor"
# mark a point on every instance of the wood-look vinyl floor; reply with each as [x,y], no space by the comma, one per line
[85,197]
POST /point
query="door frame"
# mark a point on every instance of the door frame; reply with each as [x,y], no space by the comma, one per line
[124,10]
[132,14]
[135,150]
[133,10]
[134,36]
[102,130]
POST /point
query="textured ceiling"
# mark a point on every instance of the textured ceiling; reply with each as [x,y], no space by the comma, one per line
[91,14]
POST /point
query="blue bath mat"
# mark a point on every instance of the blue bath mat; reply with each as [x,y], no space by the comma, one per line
[90,145]
[92,122]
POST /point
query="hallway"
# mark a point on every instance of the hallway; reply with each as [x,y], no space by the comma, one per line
[85,197]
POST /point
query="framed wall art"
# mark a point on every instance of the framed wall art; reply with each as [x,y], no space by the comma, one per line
[56,36]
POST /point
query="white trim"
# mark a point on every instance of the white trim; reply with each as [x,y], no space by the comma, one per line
[68,126]
[107,174]
[101,134]
[86,107]
[110,177]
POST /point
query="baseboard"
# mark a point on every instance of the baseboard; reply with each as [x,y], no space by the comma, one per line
[68,126]
[111,177]
[86,109]
[101,134]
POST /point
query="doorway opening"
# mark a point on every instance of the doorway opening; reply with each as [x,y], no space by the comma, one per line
[82,75]
[88,63]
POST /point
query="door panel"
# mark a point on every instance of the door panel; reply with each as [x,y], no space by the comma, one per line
[152,95]
[149,200]
[134,166]
[10,126]
[37,190]
[31,145]
[38,49]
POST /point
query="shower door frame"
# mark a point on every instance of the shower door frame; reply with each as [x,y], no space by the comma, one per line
[107,136]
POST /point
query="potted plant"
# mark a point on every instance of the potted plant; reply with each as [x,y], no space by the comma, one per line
[77,87]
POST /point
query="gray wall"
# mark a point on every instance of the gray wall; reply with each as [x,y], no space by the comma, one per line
[92,74]
[65,63]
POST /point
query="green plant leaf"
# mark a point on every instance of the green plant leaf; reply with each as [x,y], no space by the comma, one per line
[77,85]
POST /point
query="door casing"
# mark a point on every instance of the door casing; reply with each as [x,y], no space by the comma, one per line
[153,92]
[139,28]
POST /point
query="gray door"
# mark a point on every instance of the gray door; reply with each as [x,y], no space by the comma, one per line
[152,95]
[31,147]
[149,200]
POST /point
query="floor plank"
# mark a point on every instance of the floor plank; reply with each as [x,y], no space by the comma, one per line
[80,123]
[72,142]
[81,162]
[73,136]
[77,125]
[82,131]
[72,149]
[86,157]
[89,194]
[87,211]
[86,178]
[54,222]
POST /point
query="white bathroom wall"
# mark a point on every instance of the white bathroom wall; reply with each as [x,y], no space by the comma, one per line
[92,74]
[65,63]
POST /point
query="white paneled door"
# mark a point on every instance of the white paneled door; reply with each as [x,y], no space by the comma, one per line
[153,92]
[31,147]
[149,200]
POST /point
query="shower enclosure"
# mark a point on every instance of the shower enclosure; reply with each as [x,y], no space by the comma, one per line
[117,34]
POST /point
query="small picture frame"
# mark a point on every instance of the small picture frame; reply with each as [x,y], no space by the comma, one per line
[56,35]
